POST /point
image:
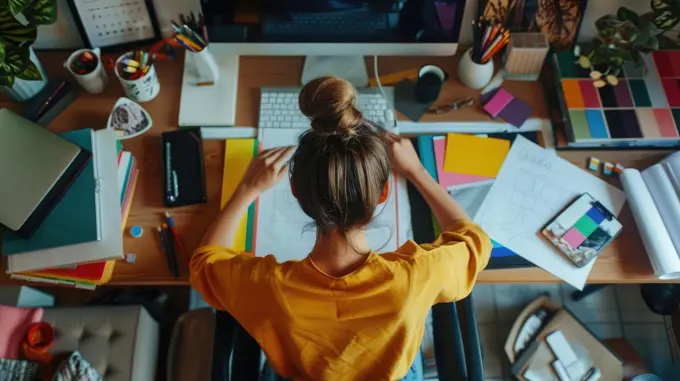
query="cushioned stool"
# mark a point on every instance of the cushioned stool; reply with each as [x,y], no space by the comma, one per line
[121,342]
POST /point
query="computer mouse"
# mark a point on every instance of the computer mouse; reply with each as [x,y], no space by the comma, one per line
[390,119]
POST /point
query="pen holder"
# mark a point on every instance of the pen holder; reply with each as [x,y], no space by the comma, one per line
[142,89]
[93,82]
[472,74]
[206,66]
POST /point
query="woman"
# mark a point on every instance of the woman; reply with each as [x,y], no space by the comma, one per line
[344,312]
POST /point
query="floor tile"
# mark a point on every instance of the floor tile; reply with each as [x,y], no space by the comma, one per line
[598,307]
[651,341]
[605,330]
[492,351]
[485,303]
[512,298]
[633,308]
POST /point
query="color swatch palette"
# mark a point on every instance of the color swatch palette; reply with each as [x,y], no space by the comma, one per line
[642,107]
[582,230]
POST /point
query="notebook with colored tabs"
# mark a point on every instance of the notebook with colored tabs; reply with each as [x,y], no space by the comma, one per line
[472,155]
[237,156]
[75,218]
[451,179]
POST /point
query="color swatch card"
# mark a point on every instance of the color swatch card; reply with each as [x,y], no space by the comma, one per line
[508,107]
[472,155]
[452,179]
[582,230]
[642,108]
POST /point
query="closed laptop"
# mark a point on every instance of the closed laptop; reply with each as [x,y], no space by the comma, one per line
[36,167]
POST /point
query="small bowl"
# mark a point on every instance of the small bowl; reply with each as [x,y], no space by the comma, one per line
[128,119]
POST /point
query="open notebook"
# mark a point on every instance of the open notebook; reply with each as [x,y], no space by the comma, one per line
[653,195]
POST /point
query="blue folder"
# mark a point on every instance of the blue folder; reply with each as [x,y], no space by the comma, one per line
[74,219]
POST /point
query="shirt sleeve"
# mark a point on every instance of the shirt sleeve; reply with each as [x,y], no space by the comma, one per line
[228,280]
[452,262]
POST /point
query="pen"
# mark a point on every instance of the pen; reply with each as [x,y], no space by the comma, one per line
[175,184]
[172,265]
[171,225]
[168,174]
[49,99]
[171,246]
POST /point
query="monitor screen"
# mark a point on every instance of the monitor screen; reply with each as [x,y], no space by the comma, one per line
[334,21]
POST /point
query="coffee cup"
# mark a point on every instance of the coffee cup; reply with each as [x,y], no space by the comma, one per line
[430,81]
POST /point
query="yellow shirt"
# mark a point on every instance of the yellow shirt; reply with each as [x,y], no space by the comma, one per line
[367,325]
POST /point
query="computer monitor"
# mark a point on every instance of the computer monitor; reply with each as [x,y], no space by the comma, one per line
[335,34]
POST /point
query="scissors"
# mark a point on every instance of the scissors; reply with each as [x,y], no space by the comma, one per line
[452,106]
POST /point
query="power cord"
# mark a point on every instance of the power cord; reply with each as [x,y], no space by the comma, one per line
[382,91]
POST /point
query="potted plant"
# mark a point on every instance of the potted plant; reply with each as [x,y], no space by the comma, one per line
[626,37]
[21,75]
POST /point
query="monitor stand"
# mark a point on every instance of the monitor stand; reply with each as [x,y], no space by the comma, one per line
[351,68]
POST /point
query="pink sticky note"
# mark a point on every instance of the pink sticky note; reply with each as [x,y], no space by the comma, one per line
[451,179]
[574,238]
[498,102]
[14,324]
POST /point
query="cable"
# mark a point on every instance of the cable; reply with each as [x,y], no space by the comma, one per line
[382,91]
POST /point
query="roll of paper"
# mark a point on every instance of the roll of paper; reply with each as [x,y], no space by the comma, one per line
[655,237]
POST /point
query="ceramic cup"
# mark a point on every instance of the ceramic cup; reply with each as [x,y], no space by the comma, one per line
[93,82]
[474,75]
[430,81]
[142,89]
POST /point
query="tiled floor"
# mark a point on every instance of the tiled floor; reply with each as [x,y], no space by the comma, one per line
[614,311]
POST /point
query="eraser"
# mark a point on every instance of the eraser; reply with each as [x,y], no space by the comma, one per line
[618,168]
[594,164]
[608,168]
[136,231]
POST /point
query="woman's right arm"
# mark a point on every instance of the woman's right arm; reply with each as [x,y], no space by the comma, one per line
[406,162]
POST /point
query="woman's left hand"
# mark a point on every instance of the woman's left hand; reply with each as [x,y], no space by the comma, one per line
[265,170]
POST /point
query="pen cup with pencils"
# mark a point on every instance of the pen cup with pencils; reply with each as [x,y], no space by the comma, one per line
[473,74]
[87,68]
[206,67]
[136,73]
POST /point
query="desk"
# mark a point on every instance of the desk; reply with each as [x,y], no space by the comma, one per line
[624,261]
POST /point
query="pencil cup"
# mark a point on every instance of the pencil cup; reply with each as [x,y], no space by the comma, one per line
[474,75]
[142,89]
[206,67]
[93,82]
[525,56]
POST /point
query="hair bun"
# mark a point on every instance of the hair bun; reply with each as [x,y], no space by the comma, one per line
[329,102]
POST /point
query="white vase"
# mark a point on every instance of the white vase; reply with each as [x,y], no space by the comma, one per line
[23,90]
[472,74]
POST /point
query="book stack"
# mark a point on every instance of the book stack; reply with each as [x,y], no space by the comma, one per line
[79,240]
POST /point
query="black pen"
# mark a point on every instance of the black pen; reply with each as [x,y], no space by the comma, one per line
[172,265]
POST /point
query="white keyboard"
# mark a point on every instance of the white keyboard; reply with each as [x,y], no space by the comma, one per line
[279,107]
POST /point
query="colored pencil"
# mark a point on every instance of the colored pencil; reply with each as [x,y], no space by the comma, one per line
[172,263]
[171,226]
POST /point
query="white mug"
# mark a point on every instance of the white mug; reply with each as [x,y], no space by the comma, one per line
[142,89]
[93,82]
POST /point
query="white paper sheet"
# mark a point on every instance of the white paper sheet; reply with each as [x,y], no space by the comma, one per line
[285,231]
[532,187]
[654,201]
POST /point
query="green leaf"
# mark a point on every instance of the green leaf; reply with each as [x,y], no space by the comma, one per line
[666,20]
[17,6]
[7,81]
[15,62]
[13,32]
[31,73]
[626,14]
[2,52]
[41,12]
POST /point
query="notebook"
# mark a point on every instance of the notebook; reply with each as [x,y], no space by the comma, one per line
[36,167]
[111,244]
[75,218]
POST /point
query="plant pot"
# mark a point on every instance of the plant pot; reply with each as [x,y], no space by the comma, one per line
[24,90]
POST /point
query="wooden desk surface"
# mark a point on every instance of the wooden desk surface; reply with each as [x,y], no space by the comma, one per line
[624,261]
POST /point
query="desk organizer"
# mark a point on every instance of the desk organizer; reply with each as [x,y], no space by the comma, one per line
[525,56]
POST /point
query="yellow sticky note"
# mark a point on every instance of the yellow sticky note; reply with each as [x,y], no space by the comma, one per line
[472,155]
[237,156]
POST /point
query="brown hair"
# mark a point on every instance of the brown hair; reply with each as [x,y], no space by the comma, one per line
[341,166]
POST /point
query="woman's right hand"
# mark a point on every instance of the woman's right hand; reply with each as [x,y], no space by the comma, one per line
[403,156]
[265,171]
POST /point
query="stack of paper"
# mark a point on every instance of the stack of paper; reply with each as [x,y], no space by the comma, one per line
[82,238]
[237,156]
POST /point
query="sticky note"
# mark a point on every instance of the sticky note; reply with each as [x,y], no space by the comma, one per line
[472,155]
[450,179]
[499,101]
[237,156]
